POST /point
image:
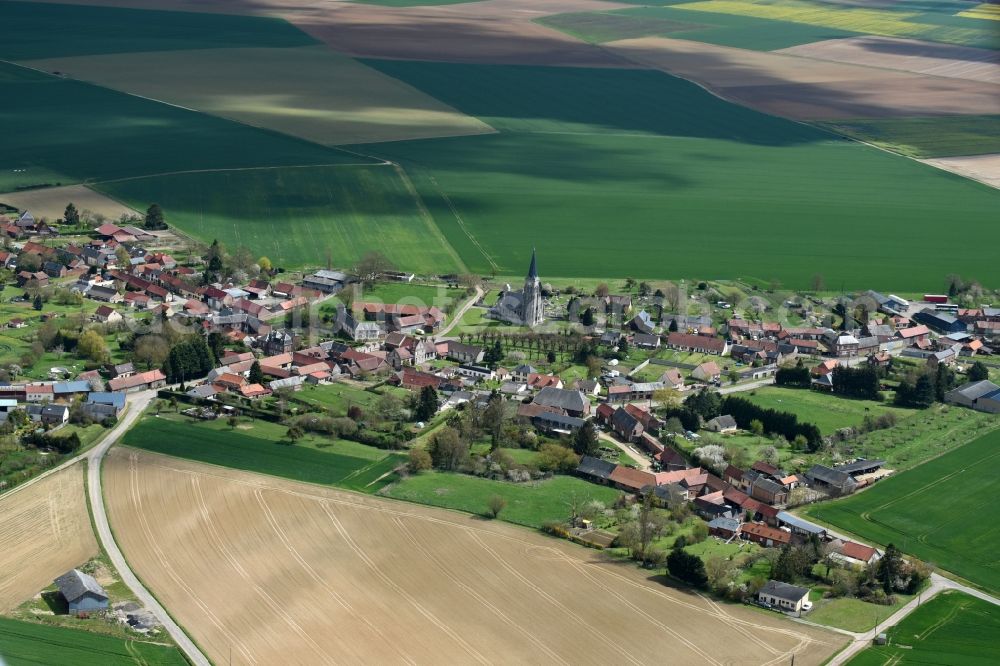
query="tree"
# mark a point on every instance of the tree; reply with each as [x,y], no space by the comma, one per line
[688,568]
[644,289]
[890,568]
[122,257]
[587,318]
[154,218]
[493,419]
[672,327]
[818,283]
[594,366]
[557,458]
[265,265]
[214,257]
[427,404]
[92,346]
[37,303]
[372,266]
[978,372]
[233,421]
[494,354]
[672,296]
[71,217]
[150,350]
[418,461]
[294,433]
[447,449]
[585,441]
[756,427]
[256,375]
[495,504]
[550,356]
[602,290]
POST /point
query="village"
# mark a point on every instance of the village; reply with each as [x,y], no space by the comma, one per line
[636,391]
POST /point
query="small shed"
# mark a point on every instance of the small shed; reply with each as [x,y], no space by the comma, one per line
[82,592]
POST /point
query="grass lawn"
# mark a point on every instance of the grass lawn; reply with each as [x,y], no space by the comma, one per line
[28,643]
[942,136]
[337,397]
[256,449]
[299,216]
[952,629]
[413,294]
[132,136]
[853,614]
[829,412]
[529,504]
[935,511]
[658,158]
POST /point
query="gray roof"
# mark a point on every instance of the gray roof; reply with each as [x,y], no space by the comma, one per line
[552,419]
[74,584]
[828,475]
[595,467]
[622,420]
[724,421]
[787,591]
[975,390]
[730,524]
[859,465]
[562,398]
[799,523]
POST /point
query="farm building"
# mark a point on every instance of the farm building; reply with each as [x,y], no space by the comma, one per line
[765,535]
[784,595]
[725,423]
[983,396]
[82,592]
[832,480]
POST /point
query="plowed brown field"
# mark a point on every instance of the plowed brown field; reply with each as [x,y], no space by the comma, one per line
[285,573]
[44,531]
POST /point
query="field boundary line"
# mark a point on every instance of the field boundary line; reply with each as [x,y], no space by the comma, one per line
[432,226]
[183,172]
[461,224]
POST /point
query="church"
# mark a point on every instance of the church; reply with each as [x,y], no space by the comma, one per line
[522,307]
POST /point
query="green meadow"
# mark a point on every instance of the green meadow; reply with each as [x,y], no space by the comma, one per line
[54,30]
[258,448]
[828,412]
[633,172]
[62,131]
[952,629]
[300,216]
[30,644]
[939,511]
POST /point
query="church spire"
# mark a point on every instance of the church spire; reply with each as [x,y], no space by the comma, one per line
[532,270]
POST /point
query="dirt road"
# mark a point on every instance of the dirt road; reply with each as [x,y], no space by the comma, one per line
[457,317]
[642,461]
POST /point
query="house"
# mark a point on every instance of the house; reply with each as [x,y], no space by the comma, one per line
[672,379]
[787,597]
[707,372]
[856,554]
[982,396]
[697,343]
[649,422]
[765,535]
[724,423]
[768,490]
[724,528]
[463,353]
[595,469]
[643,323]
[83,594]
[116,401]
[138,382]
[413,380]
[107,315]
[523,371]
[48,414]
[477,372]
[588,386]
[573,403]
[16,322]
[38,393]
[538,381]
[104,294]
[626,426]
[914,334]
[646,341]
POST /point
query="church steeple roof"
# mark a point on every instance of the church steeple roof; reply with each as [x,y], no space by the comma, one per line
[532,270]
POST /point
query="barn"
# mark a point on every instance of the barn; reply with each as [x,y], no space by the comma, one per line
[82,592]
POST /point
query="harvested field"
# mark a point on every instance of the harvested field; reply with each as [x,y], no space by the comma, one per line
[281,572]
[984,168]
[45,530]
[807,89]
[51,202]
[908,55]
[309,92]
[495,31]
